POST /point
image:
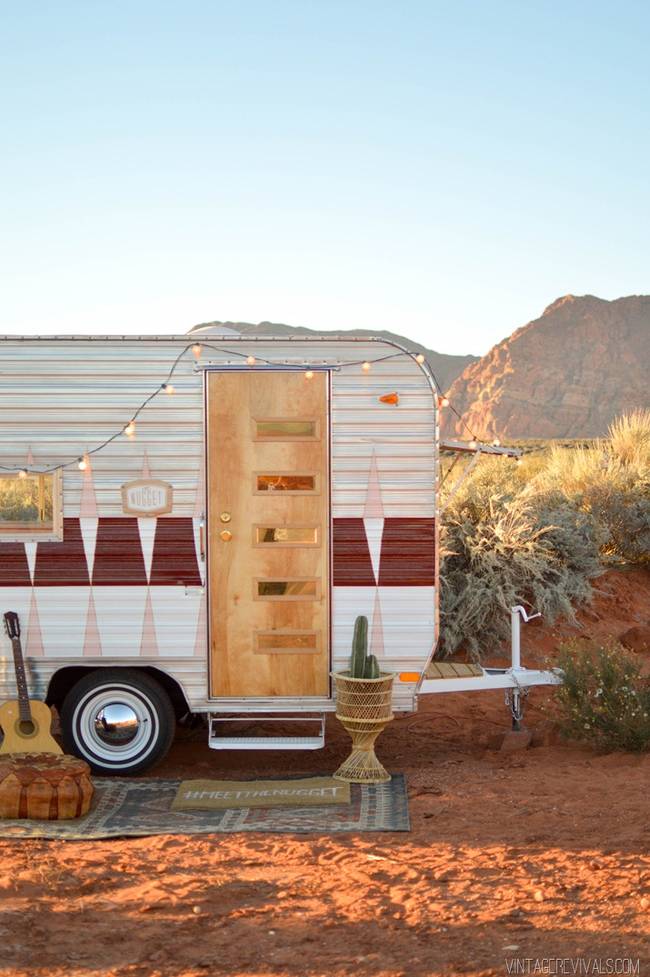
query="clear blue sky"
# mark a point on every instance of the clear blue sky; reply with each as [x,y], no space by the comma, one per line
[444,170]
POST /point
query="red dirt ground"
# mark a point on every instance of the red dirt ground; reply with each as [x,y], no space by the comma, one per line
[539,854]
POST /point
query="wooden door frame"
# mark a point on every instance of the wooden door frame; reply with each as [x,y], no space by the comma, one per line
[327,490]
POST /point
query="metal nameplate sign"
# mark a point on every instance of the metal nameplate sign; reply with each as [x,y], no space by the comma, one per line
[147,497]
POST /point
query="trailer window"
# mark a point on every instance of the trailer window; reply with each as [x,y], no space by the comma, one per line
[288,589]
[285,429]
[287,642]
[286,535]
[285,482]
[29,504]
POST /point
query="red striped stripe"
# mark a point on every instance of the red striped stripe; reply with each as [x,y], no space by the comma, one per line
[118,554]
[408,553]
[62,564]
[351,565]
[174,554]
[14,570]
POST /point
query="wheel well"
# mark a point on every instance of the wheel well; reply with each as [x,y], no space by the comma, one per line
[63,680]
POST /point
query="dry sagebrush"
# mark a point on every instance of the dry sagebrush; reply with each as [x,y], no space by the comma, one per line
[538,534]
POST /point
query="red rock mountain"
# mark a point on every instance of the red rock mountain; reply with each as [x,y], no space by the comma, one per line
[564,375]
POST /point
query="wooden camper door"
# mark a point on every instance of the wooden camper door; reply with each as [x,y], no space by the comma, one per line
[268,522]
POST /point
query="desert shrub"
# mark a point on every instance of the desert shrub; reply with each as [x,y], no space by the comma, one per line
[539,532]
[504,544]
[604,699]
[611,481]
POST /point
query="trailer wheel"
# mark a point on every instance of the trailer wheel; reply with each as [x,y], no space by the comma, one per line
[118,720]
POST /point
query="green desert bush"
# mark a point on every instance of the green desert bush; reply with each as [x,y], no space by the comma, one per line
[506,548]
[611,481]
[537,533]
[604,699]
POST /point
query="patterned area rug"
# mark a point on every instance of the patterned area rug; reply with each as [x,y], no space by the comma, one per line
[134,808]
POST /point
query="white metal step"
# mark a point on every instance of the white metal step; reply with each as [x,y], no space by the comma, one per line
[221,741]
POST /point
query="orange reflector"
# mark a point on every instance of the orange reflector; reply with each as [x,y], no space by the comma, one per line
[409,676]
[389,399]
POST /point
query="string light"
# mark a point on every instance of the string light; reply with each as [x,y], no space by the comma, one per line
[496,443]
[83,463]
[197,349]
[473,445]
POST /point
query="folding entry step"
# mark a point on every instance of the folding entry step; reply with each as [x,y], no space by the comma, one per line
[219,739]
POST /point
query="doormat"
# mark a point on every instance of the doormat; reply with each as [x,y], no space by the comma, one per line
[222,795]
[135,808]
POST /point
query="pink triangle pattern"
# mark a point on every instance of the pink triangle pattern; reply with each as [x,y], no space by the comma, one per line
[374,508]
[92,640]
[201,629]
[88,504]
[377,630]
[34,643]
[149,642]
[146,470]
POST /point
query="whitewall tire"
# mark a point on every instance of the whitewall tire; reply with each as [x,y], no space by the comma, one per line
[120,721]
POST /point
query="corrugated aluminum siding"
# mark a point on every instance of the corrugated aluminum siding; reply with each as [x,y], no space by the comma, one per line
[60,398]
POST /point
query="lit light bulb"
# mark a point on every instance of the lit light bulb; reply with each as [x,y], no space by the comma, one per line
[250,360]
[129,430]
[309,374]
[443,401]
[365,366]
[83,464]
[419,359]
[22,473]
[473,445]
[496,443]
[168,388]
[196,349]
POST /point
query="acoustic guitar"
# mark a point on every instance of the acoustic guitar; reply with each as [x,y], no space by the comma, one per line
[26,725]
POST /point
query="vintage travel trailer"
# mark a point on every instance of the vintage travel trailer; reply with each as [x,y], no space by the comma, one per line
[192,524]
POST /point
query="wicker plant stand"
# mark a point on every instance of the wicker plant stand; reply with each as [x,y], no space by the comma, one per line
[364,709]
[44,786]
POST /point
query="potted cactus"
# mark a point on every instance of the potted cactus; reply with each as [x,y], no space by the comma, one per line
[364,696]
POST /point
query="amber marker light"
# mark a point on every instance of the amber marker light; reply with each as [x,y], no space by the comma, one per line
[409,676]
[389,399]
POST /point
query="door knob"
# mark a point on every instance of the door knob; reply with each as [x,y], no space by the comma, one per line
[225,517]
[226,535]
